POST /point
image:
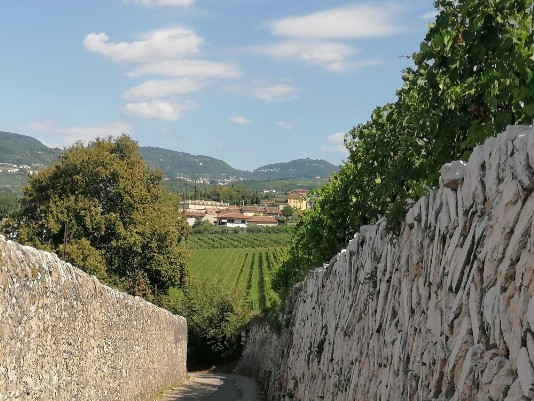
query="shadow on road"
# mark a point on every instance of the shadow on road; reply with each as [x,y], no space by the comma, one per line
[215,387]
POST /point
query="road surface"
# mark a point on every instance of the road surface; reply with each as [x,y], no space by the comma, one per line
[215,387]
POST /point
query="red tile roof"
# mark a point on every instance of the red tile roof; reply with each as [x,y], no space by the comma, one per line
[233,216]
[262,220]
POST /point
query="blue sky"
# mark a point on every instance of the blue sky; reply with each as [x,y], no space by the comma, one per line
[250,82]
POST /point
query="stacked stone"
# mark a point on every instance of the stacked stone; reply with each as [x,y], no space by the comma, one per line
[444,312]
[64,336]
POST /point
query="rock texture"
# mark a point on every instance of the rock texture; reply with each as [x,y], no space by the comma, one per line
[446,312]
[64,336]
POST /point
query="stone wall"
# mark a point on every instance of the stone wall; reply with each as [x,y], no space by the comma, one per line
[446,312]
[65,336]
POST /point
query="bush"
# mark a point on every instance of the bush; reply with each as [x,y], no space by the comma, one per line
[214,321]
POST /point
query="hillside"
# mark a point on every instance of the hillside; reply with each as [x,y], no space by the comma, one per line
[300,168]
[24,150]
[21,149]
[180,164]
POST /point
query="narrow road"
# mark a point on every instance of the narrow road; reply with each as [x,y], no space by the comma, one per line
[215,387]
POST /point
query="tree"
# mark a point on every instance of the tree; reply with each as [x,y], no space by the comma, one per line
[8,203]
[473,75]
[111,209]
[288,211]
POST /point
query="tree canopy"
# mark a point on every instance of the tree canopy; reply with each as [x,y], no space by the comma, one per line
[472,76]
[110,210]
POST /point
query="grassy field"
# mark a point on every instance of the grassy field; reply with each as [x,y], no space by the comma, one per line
[239,270]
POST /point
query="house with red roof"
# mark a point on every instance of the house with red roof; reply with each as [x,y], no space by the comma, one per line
[232,220]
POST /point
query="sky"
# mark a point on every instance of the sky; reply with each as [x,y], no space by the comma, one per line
[250,82]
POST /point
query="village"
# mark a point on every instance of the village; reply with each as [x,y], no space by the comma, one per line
[241,216]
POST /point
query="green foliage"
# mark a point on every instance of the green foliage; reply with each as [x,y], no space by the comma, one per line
[238,240]
[473,75]
[214,321]
[120,224]
[288,211]
[22,149]
[8,203]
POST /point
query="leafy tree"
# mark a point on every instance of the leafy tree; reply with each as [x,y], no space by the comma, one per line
[473,75]
[111,208]
[8,203]
[288,211]
[214,321]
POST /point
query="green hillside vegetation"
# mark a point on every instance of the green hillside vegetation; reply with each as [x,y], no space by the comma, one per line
[472,76]
[21,149]
[175,164]
[300,168]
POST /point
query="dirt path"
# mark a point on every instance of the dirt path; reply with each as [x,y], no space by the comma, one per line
[215,387]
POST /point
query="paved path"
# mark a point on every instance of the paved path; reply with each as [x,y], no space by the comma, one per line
[215,387]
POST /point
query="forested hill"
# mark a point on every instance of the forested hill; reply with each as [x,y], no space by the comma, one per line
[20,149]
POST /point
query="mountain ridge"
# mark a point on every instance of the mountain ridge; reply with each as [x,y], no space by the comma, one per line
[20,149]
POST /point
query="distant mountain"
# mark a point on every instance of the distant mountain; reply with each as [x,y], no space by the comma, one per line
[24,150]
[21,149]
[300,168]
[184,165]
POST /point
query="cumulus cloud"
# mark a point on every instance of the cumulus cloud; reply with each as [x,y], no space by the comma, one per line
[169,3]
[337,144]
[54,134]
[350,22]
[240,120]
[165,53]
[162,88]
[329,55]
[187,68]
[274,92]
[158,109]
[322,38]
[286,125]
[159,45]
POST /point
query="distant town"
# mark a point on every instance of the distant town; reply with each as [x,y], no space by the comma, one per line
[225,214]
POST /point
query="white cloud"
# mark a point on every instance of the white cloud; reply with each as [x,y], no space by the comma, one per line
[220,145]
[169,3]
[337,144]
[322,38]
[188,68]
[240,120]
[274,92]
[351,22]
[159,45]
[286,125]
[329,55]
[158,110]
[162,88]
[56,135]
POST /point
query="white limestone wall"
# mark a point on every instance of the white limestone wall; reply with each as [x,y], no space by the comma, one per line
[64,336]
[446,312]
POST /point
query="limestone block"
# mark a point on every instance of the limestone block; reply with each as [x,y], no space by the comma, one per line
[515,393]
[513,131]
[453,173]
[525,372]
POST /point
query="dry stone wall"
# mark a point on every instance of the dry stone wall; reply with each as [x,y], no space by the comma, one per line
[64,336]
[446,312]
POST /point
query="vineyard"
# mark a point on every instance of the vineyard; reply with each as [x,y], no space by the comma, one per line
[248,240]
[239,270]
